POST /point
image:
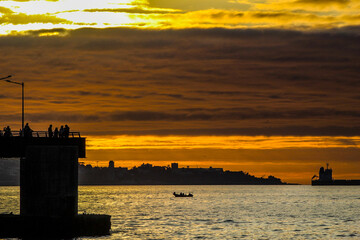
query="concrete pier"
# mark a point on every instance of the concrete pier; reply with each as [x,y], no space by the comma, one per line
[49,190]
[49,181]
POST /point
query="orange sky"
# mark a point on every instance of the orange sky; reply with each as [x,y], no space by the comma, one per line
[269,87]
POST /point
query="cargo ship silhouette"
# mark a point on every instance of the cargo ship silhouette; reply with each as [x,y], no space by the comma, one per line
[325,178]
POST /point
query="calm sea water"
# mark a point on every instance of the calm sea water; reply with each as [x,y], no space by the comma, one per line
[219,212]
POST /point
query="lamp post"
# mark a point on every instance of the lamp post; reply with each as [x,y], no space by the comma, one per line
[22,99]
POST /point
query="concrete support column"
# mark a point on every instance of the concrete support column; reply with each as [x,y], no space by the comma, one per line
[49,181]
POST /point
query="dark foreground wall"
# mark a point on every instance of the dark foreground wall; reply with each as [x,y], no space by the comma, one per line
[49,181]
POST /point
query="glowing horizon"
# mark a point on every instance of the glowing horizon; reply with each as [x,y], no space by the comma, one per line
[220,142]
[18,17]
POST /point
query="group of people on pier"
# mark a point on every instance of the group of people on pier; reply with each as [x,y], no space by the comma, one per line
[26,132]
[6,132]
[64,132]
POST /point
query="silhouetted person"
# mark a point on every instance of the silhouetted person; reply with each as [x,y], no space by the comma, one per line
[61,132]
[27,131]
[66,131]
[1,133]
[50,131]
[56,133]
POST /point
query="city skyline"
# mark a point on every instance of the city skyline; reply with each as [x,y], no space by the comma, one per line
[269,87]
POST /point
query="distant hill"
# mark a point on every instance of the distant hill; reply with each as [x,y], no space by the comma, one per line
[147,174]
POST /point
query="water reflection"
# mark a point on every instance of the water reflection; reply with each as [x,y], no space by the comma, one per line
[249,212]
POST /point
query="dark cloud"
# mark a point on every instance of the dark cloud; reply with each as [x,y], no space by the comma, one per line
[188,79]
[228,93]
[272,14]
[250,131]
[63,117]
[222,114]
[88,93]
[57,31]
[178,96]
[194,115]
[127,96]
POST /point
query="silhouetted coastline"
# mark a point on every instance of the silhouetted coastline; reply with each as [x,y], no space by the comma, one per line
[147,174]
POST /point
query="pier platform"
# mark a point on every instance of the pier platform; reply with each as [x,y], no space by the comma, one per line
[15,146]
[48,188]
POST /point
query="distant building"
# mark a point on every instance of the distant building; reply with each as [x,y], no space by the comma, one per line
[111,164]
[146,166]
[174,166]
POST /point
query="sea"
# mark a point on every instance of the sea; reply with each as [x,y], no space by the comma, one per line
[219,212]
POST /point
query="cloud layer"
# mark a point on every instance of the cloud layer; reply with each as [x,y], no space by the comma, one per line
[152,85]
[203,80]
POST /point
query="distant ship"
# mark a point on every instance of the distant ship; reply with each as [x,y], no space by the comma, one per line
[325,178]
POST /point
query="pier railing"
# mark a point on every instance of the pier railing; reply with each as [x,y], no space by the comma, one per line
[41,134]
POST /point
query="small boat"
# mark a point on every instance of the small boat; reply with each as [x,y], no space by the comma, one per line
[182,194]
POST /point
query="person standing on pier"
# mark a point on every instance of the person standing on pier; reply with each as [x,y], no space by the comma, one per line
[56,133]
[27,130]
[66,131]
[61,132]
[50,131]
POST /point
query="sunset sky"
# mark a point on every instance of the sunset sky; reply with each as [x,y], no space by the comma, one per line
[270,87]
